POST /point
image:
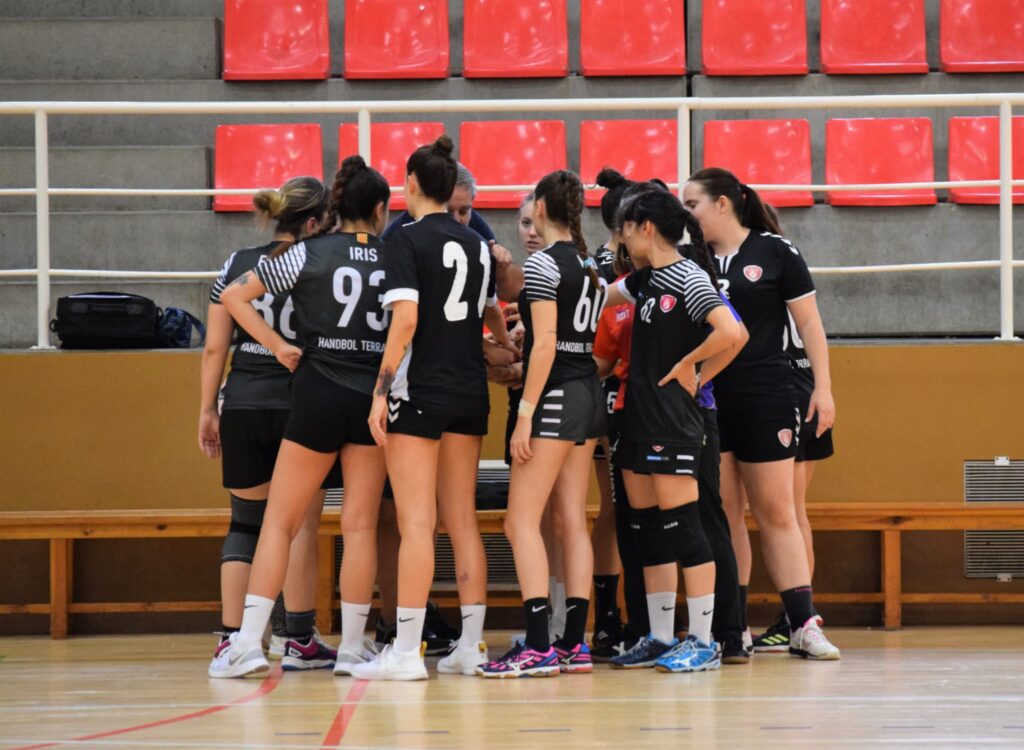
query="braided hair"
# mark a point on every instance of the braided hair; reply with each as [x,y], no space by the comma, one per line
[562,193]
[355,193]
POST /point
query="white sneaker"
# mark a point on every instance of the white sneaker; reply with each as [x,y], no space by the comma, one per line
[231,661]
[809,642]
[276,648]
[464,660]
[348,658]
[393,664]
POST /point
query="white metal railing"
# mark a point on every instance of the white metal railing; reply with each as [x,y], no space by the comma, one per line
[364,110]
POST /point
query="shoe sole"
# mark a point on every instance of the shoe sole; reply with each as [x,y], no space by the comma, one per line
[780,649]
[576,668]
[642,665]
[709,667]
[801,654]
[546,672]
[246,669]
[291,664]
[471,673]
[736,659]
[393,677]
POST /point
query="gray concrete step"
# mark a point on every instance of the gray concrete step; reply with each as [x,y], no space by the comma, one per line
[106,8]
[162,167]
[109,48]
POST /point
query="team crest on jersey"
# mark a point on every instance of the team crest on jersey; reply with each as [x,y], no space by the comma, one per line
[667,302]
[753,273]
[786,438]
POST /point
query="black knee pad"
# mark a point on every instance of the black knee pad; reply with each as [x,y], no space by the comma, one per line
[652,545]
[244,532]
[685,534]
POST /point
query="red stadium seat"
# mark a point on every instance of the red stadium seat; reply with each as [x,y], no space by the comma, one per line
[391,143]
[263,156]
[981,36]
[873,36]
[511,152]
[897,149]
[396,38]
[754,37]
[276,40]
[639,149]
[766,152]
[974,155]
[521,39]
[633,38]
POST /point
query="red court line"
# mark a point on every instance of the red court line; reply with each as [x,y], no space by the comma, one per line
[265,688]
[344,716]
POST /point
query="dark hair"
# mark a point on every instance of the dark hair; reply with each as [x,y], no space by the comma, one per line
[435,169]
[562,193]
[746,203]
[356,191]
[672,221]
[616,185]
[298,200]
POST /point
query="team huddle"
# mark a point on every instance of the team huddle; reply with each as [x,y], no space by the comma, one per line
[687,351]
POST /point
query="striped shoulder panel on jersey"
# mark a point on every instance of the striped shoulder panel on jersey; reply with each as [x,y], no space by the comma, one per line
[789,244]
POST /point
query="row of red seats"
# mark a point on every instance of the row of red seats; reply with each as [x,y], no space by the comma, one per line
[767,152]
[288,39]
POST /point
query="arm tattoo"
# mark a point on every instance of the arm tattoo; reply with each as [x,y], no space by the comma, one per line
[384,381]
[241,280]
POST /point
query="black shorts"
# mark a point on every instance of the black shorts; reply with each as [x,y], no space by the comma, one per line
[648,458]
[249,441]
[572,411]
[326,415]
[610,385]
[405,419]
[756,429]
[812,447]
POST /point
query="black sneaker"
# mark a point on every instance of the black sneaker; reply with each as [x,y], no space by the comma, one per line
[608,642]
[439,636]
[644,653]
[775,638]
[734,652]
[384,633]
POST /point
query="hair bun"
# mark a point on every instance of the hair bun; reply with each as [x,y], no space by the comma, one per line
[269,202]
[443,146]
[610,178]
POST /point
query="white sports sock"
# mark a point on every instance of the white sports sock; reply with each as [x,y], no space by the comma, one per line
[701,610]
[353,625]
[556,628]
[472,625]
[661,610]
[255,617]
[410,628]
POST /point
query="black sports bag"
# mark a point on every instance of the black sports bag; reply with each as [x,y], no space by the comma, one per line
[107,320]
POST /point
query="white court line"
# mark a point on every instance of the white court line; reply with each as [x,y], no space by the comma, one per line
[845,699]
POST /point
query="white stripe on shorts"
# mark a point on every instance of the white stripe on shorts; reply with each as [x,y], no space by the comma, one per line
[548,434]
[547,420]
[683,457]
[553,407]
[684,471]
[559,392]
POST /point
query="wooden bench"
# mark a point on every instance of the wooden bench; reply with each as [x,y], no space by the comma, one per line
[61,528]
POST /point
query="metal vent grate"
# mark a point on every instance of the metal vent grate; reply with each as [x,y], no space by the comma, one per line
[1001,480]
[994,554]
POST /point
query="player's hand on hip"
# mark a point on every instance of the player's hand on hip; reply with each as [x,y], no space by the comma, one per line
[289,356]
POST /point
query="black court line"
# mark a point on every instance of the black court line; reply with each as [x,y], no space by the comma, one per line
[541,731]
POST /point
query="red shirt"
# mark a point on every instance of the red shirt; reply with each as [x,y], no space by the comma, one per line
[613,341]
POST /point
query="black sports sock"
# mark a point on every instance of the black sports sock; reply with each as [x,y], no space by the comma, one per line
[799,604]
[575,622]
[606,594]
[277,622]
[300,624]
[225,632]
[743,606]
[536,611]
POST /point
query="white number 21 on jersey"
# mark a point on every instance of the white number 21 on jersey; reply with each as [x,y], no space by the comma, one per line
[454,256]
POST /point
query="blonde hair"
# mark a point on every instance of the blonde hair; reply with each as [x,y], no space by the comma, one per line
[298,200]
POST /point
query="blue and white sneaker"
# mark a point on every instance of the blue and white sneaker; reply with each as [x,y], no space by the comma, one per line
[692,655]
[644,653]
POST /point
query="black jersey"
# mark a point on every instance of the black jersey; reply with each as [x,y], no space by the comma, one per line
[556,274]
[672,305]
[256,380]
[448,270]
[606,264]
[803,376]
[335,283]
[758,280]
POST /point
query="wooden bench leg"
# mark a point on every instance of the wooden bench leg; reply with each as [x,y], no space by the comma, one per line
[892,579]
[325,585]
[60,586]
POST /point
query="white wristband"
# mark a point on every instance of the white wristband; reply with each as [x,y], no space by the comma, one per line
[526,409]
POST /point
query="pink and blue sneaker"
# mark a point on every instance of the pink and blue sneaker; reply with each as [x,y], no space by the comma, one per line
[575,660]
[521,661]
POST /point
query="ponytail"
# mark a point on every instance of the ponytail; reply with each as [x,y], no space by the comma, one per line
[435,168]
[298,200]
[562,193]
[697,250]
[747,205]
[355,193]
